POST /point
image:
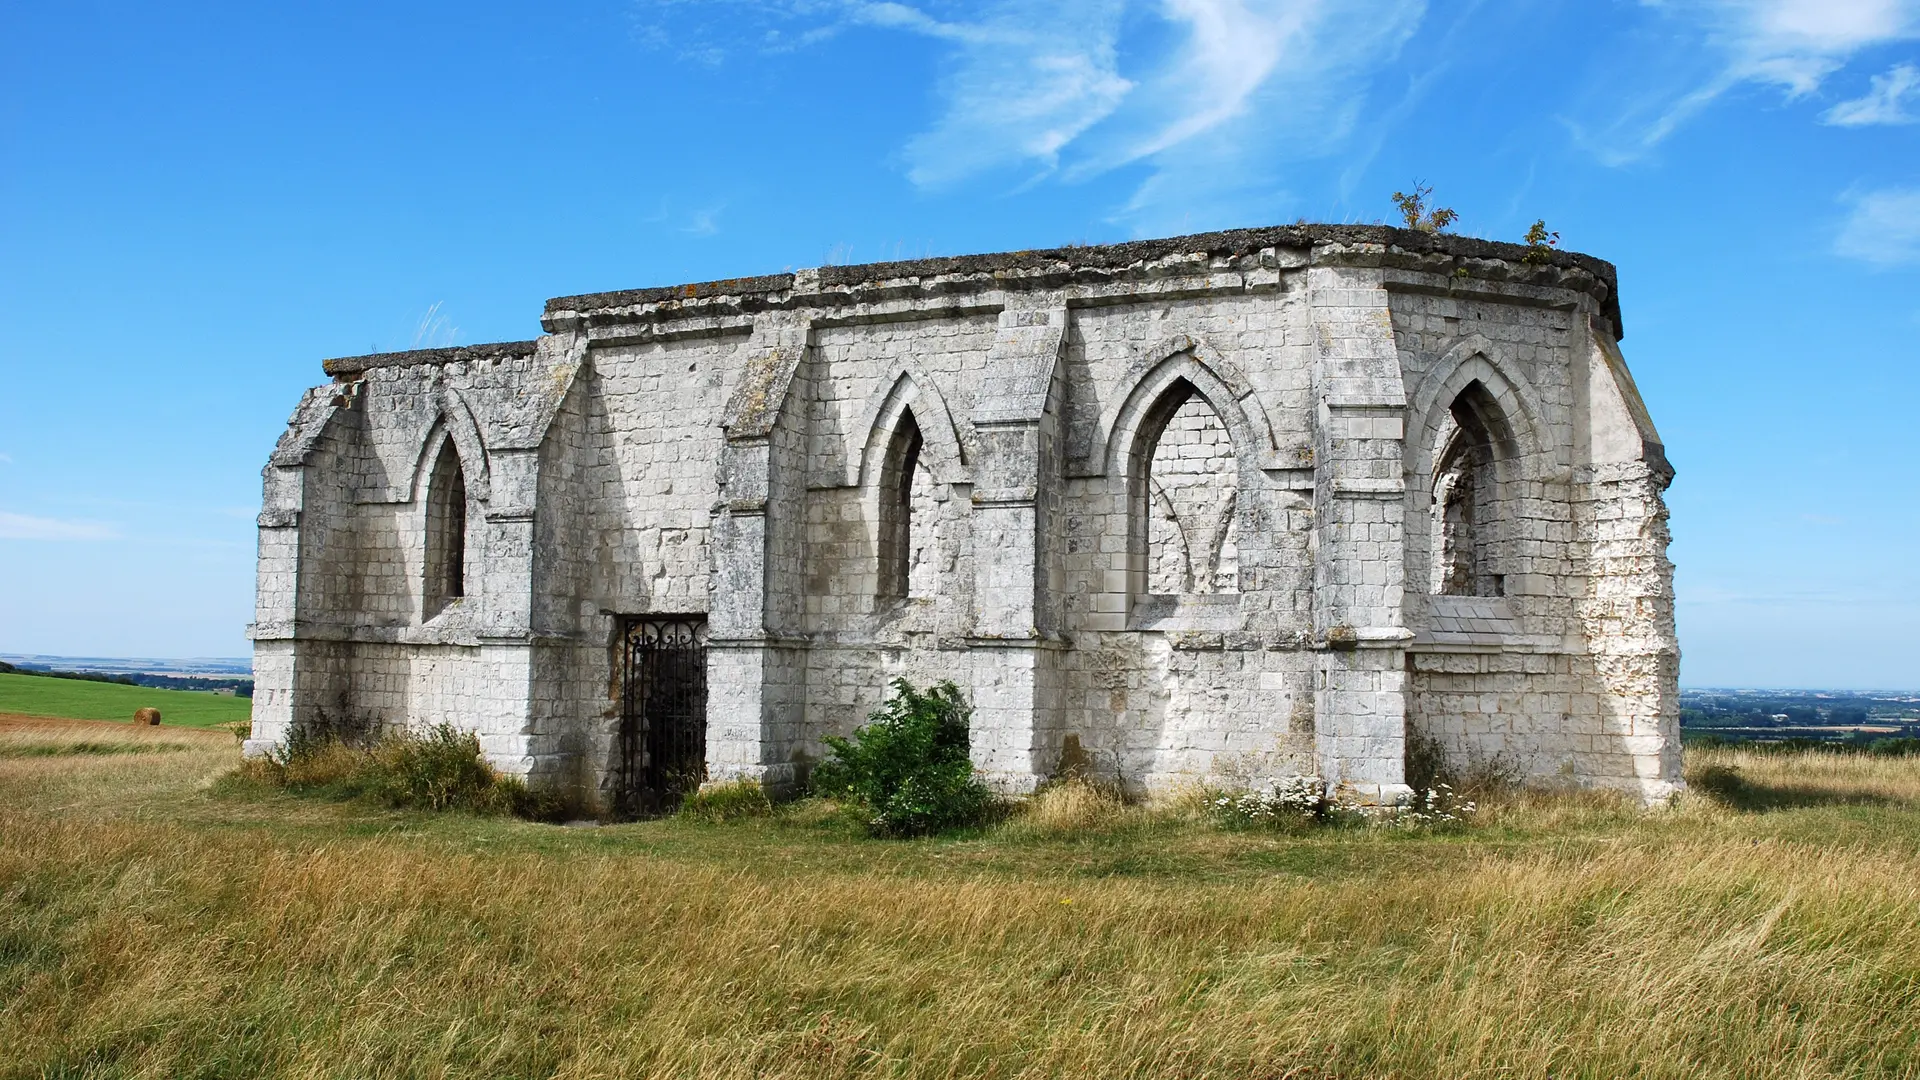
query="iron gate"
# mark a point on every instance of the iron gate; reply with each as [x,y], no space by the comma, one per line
[663,713]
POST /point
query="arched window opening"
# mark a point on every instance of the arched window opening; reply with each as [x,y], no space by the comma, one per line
[908,518]
[1189,498]
[446,566]
[1467,497]
[923,567]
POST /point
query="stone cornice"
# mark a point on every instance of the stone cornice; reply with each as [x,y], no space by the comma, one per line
[1236,260]
[348,366]
[1200,255]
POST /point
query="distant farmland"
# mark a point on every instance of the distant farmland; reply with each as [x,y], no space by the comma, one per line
[79,699]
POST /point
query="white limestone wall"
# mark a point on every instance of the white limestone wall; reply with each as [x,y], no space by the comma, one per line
[1626,616]
[274,688]
[1160,710]
[860,640]
[858,364]
[1259,346]
[575,702]
[719,459]
[652,448]
[1570,677]
[1531,349]
[628,481]
[479,688]
[356,651]
[1175,678]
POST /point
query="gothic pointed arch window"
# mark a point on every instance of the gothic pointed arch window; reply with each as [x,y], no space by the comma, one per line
[1470,500]
[446,533]
[1185,491]
[908,517]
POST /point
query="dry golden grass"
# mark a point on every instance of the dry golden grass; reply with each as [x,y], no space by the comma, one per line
[1816,776]
[1073,805]
[167,925]
[38,736]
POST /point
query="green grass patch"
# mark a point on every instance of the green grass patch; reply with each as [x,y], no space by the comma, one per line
[78,699]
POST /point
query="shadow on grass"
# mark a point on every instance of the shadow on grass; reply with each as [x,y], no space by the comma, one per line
[1727,786]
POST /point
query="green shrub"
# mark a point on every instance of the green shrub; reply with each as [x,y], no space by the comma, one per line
[735,801]
[910,768]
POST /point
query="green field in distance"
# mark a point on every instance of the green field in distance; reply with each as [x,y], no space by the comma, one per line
[80,699]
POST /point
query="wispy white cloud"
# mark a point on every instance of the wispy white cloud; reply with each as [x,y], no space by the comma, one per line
[435,330]
[1792,45]
[902,17]
[1882,227]
[698,221]
[1028,79]
[1245,88]
[1232,47]
[1885,101]
[717,31]
[1214,97]
[711,31]
[28,527]
[6,459]
[1258,86]
[703,222]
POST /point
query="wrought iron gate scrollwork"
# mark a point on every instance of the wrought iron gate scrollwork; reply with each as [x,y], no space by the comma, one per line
[662,746]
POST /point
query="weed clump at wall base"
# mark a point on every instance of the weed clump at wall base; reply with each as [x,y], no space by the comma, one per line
[1295,802]
[1298,802]
[438,769]
[911,767]
[1070,806]
[721,803]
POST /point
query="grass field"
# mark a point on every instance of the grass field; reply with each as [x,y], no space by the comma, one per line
[158,918]
[81,699]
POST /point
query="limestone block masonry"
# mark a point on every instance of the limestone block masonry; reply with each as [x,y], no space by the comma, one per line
[1218,508]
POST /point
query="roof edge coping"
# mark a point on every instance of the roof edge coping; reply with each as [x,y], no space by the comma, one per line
[500,350]
[1099,256]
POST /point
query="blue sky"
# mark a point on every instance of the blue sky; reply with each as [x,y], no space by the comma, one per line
[199,202]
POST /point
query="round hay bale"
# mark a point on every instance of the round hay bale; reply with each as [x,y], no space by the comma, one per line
[146,716]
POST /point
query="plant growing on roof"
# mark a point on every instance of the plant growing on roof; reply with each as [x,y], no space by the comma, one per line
[1414,208]
[1540,243]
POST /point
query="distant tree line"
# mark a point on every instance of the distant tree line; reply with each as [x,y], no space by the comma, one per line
[1790,718]
[1771,714]
[1854,743]
[241,687]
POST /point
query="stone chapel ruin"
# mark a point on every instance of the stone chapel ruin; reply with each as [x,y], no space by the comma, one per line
[1222,507]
